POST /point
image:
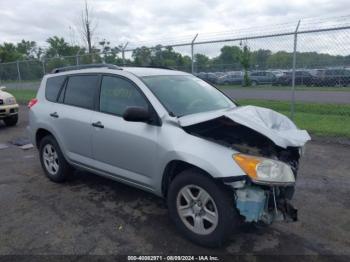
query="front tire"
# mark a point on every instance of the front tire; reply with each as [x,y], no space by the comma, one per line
[202,209]
[52,160]
[11,120]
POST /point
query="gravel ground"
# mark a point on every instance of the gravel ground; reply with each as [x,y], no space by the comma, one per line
[93,215]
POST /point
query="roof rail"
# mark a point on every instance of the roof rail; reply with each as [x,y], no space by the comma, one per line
[160,67]
[77,67]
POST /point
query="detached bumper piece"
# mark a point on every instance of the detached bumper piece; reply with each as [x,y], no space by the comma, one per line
[265,204]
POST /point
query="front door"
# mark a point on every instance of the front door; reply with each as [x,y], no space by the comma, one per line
[124,149]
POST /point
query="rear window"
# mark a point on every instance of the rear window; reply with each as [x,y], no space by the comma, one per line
[53,86]
[81,91]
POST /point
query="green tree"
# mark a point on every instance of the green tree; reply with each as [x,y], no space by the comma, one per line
[245,62]
[58,47]
[259,58]
[110,54]
[202,62]
[281,59]
[229,57]
[28,49]
[9,53]
[142,56]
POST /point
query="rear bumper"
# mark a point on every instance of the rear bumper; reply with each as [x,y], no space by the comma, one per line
[8,110]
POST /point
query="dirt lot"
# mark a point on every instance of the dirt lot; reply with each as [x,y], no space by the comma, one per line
[93,215]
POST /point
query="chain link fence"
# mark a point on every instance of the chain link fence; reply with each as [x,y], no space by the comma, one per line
[294,63]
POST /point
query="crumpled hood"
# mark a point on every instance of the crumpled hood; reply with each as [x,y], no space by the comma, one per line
[277,127]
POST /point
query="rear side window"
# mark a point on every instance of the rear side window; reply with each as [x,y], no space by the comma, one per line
[118,94]
[81,91]
[53,86]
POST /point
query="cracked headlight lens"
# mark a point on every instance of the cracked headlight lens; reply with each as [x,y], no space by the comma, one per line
[265,171]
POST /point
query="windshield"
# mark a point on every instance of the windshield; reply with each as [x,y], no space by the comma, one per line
[185,94]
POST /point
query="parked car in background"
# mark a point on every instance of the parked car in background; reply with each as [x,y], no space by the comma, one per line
[261,78]
[301,78]
[8,108]
[208,77]
[277,73]
[231,78]
[332,77]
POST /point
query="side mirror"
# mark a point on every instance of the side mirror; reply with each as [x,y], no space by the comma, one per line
[137,114]
[2,88]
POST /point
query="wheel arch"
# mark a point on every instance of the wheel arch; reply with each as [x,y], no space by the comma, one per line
[175,167]
[40,134]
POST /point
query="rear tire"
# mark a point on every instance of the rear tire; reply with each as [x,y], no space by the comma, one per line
[11,120]
[54,164]
[218,207]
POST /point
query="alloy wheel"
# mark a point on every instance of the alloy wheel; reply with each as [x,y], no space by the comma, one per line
[50,158]
[197,209]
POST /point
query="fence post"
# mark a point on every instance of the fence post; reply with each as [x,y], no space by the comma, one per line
[292,106]
[44,69]
[77,57]
[192,53]
[18,71]
[123,52]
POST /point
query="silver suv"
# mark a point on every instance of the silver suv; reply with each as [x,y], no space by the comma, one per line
[174,135]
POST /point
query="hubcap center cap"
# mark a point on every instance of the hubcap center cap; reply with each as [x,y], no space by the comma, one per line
[197,209]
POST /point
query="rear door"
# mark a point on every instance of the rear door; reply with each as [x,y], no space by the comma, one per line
[72,116]
[47,113]
[124,149]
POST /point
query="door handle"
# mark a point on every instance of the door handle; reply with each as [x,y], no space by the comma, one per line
[55,115]
[98,124]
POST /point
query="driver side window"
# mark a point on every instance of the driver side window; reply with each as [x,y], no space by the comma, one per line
[117,94]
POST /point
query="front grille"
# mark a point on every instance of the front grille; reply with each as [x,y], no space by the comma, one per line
[2,111]
[12,110]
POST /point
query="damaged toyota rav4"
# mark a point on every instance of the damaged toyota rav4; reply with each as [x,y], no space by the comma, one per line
[170,133]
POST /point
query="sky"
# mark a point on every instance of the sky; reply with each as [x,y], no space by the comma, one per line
[136,21]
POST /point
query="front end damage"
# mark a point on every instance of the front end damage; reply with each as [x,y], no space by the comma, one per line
[269,147]
[265,204]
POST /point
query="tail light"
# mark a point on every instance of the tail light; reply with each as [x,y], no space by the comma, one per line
[32,102]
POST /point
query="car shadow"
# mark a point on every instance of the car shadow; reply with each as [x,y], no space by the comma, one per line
[148,214]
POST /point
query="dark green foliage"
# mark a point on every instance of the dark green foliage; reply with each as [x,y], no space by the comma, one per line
[35,61]
[244,59]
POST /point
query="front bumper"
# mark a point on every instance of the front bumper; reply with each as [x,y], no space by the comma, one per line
[8,110]
[265,204]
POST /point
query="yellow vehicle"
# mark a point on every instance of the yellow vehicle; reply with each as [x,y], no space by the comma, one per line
[8,108]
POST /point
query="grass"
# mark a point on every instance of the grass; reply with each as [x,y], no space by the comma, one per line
[318,119]
[22,96]
[286,88]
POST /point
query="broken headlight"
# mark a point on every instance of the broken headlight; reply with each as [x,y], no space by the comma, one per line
[265,171]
